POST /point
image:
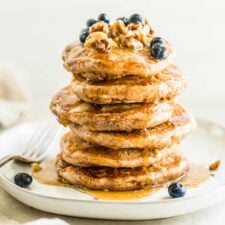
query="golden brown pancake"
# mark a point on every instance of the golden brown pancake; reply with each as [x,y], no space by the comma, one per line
[125,127]
[131,89]
[119,117]
[113,64]
[163,135]
[123,179]
[78,152]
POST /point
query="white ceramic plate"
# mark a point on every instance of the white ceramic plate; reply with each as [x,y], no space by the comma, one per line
[206,144]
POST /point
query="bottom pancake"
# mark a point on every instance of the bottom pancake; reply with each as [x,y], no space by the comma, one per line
[78,152]
[123,179]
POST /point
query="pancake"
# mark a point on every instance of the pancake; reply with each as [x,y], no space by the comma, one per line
[163,135]
[77,152]
[123,179]
[131,89]
[113,64]
[119,117]
[125,126]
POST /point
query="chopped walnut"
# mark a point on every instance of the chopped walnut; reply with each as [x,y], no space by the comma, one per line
[130,40]
[132,43]
[136,37]
[145,40]
[146,30]
[145,35]
[151,32]
[135,27]
[99,26]
[103,36]
[98,41]
[215,165]
[118,28]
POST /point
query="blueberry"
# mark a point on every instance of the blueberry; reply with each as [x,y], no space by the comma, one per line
[84,34]
[23,179]
[158,51]
[124,20]
[176,190]
[90,22]
[157,40]
[136,18]
[103,17]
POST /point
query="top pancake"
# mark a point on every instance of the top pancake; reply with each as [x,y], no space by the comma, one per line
[113,64]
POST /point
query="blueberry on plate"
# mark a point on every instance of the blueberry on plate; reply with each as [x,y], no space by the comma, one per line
[124,20]
[90,22]
[157,40]
[176,190]
[136,18]
[158,51]
[84,34]
[104,17]
[23,179]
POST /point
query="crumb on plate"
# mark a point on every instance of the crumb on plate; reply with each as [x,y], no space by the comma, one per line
[215,165]
[36,167]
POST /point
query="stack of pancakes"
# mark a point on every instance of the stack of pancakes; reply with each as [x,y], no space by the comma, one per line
[125,126]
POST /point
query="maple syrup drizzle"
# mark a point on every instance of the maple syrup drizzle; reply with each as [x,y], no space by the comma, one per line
[48,175]
[121,195]
[196,175]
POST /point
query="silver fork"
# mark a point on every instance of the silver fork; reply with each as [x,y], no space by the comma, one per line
[36,147]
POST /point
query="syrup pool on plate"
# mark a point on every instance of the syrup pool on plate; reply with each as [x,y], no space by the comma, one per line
[48,175]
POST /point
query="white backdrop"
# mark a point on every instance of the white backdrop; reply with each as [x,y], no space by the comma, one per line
[33,34]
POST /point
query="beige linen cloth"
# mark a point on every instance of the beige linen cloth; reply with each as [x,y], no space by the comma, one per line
[14,96]
[43,221]
[47,222]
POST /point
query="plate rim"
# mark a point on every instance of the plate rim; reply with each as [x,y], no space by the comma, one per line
[169,200]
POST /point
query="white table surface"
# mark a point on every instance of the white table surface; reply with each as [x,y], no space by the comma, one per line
[14,212]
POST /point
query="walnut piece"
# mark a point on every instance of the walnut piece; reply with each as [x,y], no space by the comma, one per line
[215,165]
[129,41]
[117,28]
[99,41]
[135,27]
[99,26]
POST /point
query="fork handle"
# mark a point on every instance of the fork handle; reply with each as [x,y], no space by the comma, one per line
[6,159]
